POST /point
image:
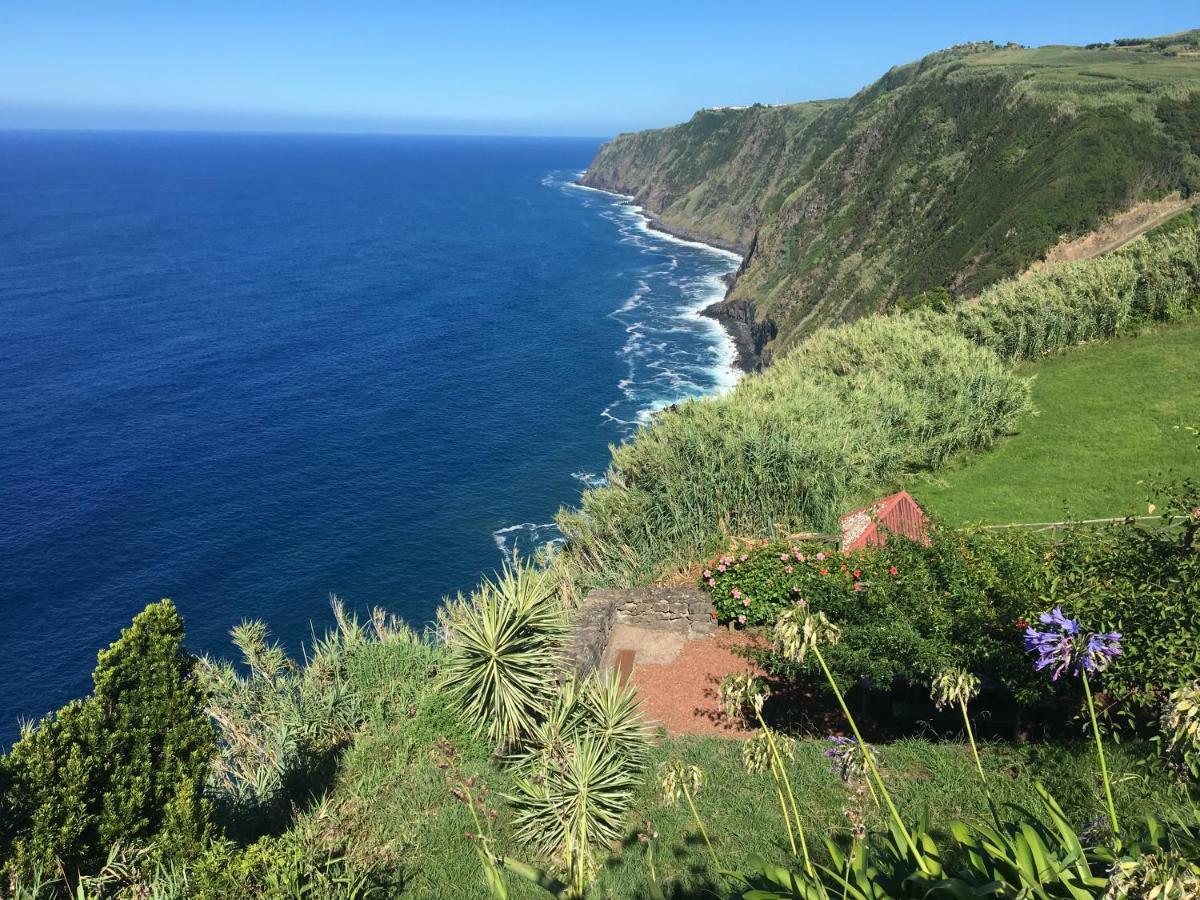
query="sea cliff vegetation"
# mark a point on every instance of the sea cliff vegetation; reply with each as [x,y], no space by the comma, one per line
[855,408]
[990,714]
[952,172]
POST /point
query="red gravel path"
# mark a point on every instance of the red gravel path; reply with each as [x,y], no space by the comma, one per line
[683,695]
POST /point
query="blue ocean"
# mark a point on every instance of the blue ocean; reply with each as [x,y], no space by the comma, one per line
[250,371]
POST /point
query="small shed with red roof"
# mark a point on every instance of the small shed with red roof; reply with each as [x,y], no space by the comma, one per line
[871,525]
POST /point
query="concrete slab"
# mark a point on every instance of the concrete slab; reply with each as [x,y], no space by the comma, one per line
[651,646]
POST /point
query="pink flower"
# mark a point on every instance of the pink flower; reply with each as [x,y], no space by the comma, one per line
[802,603]
[741,620]
[858,573]
[721,567]
[735,594]
[800,557]
[820,557]
[893,571]
[858,586]
[745,556]
[708,573]
[824,571]
[783,557]
[745,601]
[712,582]
[788,569]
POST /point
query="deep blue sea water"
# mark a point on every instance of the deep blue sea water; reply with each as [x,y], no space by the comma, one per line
[246,372]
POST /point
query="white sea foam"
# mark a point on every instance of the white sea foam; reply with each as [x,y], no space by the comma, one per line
[526,539]
[662,368]
[590,479]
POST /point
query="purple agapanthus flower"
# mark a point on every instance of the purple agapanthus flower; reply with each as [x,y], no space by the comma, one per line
[849,758]
[840,743]
[1100,649]
[1057,618]
[1064,647]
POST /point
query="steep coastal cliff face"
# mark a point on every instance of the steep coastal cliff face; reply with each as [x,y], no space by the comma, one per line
[708,177]
[954,171]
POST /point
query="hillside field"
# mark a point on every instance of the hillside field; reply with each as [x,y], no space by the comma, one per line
[1105,418]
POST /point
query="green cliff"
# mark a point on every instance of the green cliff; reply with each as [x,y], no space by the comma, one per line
[951,172]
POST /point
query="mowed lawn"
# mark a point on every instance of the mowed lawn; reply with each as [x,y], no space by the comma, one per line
[1106,417]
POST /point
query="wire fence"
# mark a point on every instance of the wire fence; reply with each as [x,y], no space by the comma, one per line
[1168,522]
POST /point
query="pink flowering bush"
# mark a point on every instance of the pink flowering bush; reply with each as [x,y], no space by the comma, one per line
[908,611]
[905,611]
[757,586]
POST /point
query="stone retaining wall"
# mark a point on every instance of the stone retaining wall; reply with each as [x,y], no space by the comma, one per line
[684,611]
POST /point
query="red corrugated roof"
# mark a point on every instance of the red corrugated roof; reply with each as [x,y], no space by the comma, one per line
[870,525]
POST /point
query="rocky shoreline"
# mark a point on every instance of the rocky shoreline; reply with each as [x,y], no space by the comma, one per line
[737,317]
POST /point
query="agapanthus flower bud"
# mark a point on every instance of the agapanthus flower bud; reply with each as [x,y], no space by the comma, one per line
[954,687]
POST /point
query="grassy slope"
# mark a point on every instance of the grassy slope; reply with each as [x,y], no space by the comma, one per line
[391,804]
[956,170]
[1106,417]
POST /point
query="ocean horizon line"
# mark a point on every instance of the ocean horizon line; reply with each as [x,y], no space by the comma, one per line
[286,132]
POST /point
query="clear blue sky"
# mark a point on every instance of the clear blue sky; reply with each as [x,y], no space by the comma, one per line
[446,66]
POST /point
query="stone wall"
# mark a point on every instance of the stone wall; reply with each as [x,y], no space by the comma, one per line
[684,611]
[591,625]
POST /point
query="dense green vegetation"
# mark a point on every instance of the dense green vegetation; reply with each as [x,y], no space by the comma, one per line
[855,408]
[473,763]
[909,611]
[787,449]
[417,803]
[954,171]
[127,764]
[1067,457]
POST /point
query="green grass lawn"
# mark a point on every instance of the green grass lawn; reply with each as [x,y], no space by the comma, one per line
[1105,418]
[393,805]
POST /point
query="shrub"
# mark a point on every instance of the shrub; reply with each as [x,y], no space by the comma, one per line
[281,723]
[959,603]
[1145,584]
[505,651]
[126,765]
[905,611]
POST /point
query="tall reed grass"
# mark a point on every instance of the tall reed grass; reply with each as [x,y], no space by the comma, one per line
[1151,280]
[851,407]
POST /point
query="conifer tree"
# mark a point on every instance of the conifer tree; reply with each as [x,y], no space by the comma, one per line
[125,765]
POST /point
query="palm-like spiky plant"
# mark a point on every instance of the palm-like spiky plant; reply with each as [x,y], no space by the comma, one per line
[578,770]
[614,714]
[505,651]
[577,800]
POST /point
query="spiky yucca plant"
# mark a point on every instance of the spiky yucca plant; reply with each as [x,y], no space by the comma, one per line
[578,771]
[578,801]
[614,714]
[505,646]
